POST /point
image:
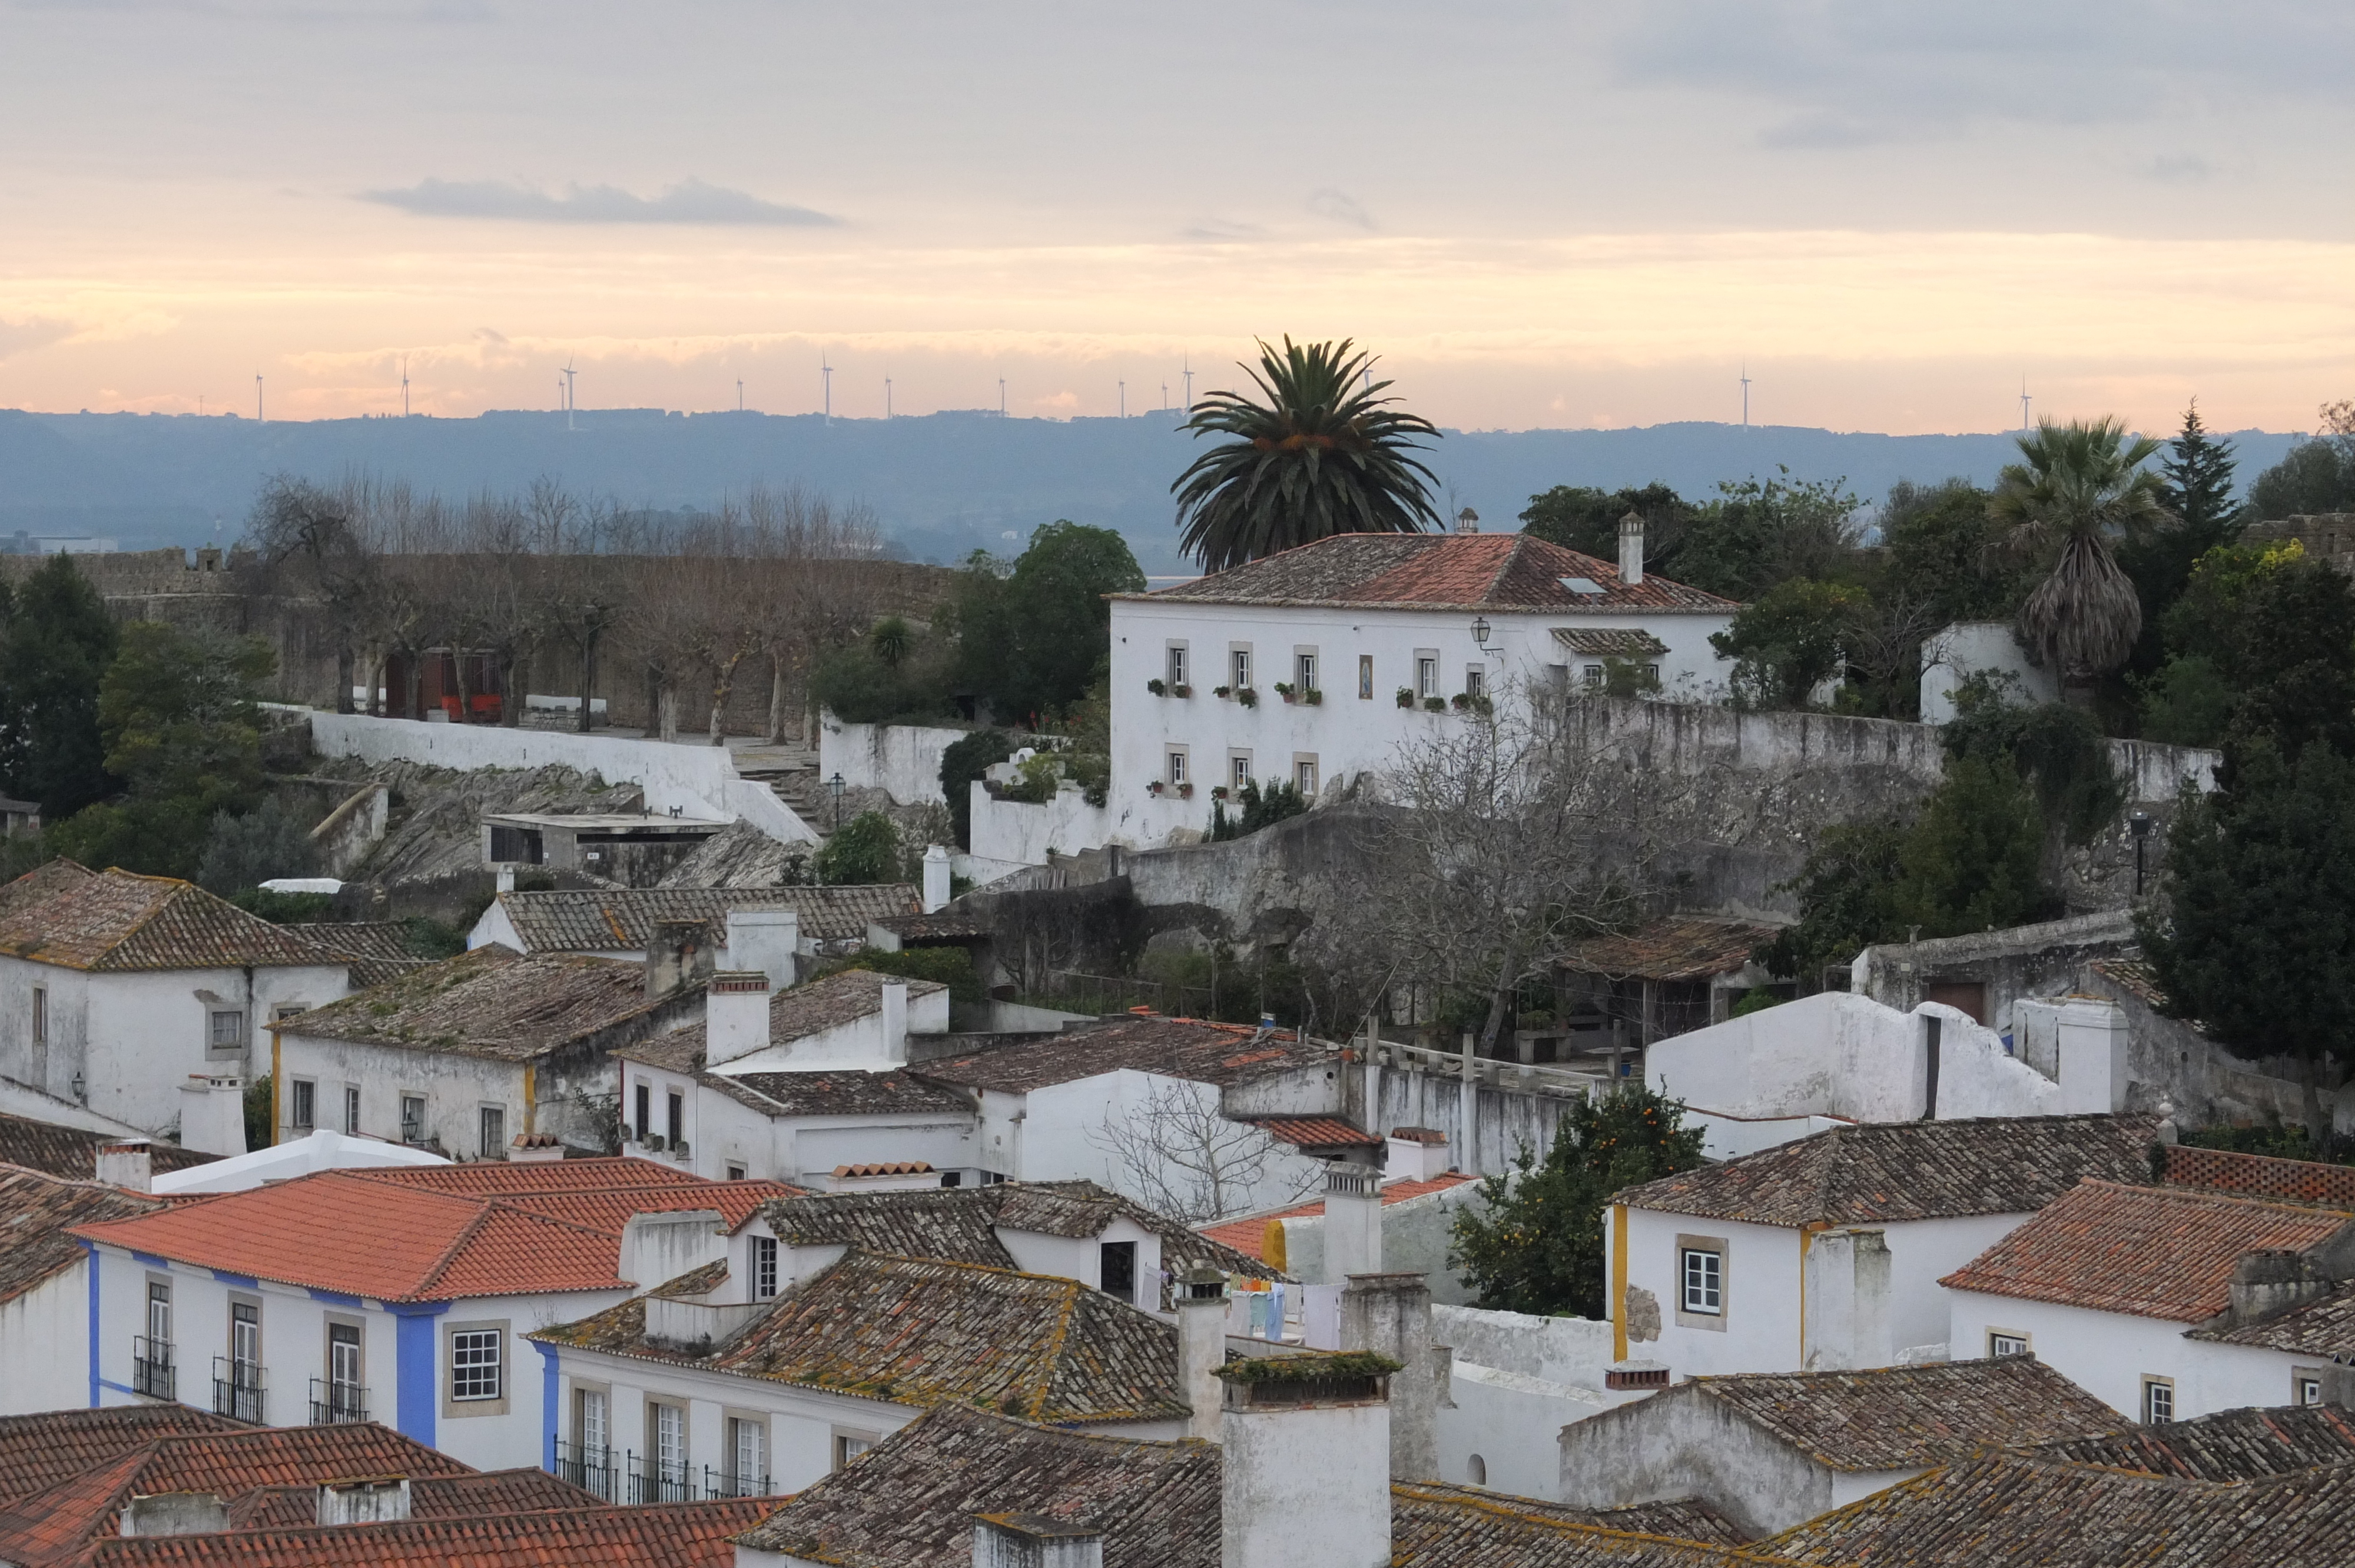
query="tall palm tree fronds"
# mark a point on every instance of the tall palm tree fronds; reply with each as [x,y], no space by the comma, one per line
[2082,485]
[1322,454]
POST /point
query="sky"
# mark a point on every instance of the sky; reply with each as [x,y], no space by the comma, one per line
[1891,214]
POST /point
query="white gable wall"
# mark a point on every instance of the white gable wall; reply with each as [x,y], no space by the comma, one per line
[45,1344]
[455,1089]
[2108,1354]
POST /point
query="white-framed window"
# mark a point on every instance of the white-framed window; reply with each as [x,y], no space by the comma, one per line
[1476,679]
[667,1438]
[848,1446]
[1177,664]
[1304,672]
[281,1011]
[591,1426]
[1592,674]
[735,1173]
[352,1108]
[1239,772]
[227,1030]
[1239,666]
[159,1312]
[2001,1343]
[492,1122]
[1304,775]
[1702,1286]
[477,1364]
[675,1108]
[1426,673]
[412,1118]
[2306,1385]
[1652,674]
[747,1449]
[1365,676]
[2158,1400]
[1178,765]
[304,1114]
[764,1267]
[245,1343]
[644,1101]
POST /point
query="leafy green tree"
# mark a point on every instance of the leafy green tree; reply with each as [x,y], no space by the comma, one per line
[2057,750]
[2278,629]
[1257,809]
[1757,534]
[2313,476]
[965,761]
[57,645]
[1973,862]
[268,842]
[1790,640]
[2198,471]
[2197,490]
[1944,552]
[1847,900]
[1321,453]
[1535,1243]
[2258,938]
[2186,702]
[1031,638]
[1580,517]
[866,848]
[2080,486]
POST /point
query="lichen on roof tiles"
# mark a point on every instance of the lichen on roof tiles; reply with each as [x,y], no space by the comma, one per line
[37,1212]
[2228,1445]
[795,1013]
[1219,1053]
[491,1002]
[1442,571]
[118,921]
[1683,947]
[622,919]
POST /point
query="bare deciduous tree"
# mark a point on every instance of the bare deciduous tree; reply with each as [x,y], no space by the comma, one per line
[1178,1156]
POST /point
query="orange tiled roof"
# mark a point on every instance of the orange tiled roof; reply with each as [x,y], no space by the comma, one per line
[2261,1176]
[1247,1235]
[2153,1252]
[1443,571]
[118,921]
[657,1535]
[36,1215]
[376,1235]
[1318,1132]
[37,1452]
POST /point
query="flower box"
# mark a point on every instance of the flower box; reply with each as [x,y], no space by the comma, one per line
[1435,705]
[1405,697]
[1158,687]
[1186,790]
[1248,696]
[1313,697]
[1182,690]
[1222,691]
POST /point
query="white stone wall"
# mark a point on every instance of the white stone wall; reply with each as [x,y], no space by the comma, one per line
[1968,647]
[1016,832]
[901,759]
[2108,1354]
[1759,1328]
[454,1087]
[45,1345]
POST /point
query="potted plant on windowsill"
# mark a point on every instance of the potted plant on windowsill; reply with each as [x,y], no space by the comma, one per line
[1158,687]
[1405,697]
[1313,697]
[1472,703]
[1186,790]
[1154,787]
[1435,705]
[1248,696]
[1288,691]
[1222,691]
[1182,690]
[1218,792]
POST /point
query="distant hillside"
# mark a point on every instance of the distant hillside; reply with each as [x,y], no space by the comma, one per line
[944,484]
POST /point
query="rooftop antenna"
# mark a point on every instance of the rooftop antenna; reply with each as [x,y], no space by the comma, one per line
[404,386]
[1746,394]
[567,393]
[825,371]
[2023,405]
[257,402]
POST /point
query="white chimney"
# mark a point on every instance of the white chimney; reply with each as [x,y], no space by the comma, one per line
[895,1019]
[1414,1154]
[1201,1299]
[735,1016]
[658,1247]
[1353,1223]
[1389,1314]
[1845,1286]
[507,878]
[936,879]
[766,940]
[212,1113]
[364,1502]
[1631,549]
[173,1513]
[1035,1541]
[2092,1040]
[127,1165]
[1304,1475]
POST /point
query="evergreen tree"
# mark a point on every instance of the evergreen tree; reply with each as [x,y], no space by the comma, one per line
[2197,488]
[2197,472]
[58,644]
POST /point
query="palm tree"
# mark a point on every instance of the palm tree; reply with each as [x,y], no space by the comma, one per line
[2082,485]
[1322,455]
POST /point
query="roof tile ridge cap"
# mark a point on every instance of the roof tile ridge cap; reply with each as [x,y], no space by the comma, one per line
[442,1263]
[2286,1206]
[1052,1360]
[1928,1480]
[1443,1492]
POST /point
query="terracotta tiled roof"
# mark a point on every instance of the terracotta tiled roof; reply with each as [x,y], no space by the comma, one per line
[2007,1509]
[491,1002]
[54,1526]
[378,950]
[2323,1327]
[37,1452]
[923,1332]
[1219,1053]
[1442,571]
[1680,949]
[1434,1526]
[1888,1172]
[117,920]
[2135,976]
[72,1152]
[1609,643]
[620,919]
[36,1213]
[910,1501]
[795,1013]
[424,1244]
[2231,1446]
[840,1093]
[1318,1132]
[943,926]
[658,1535]
[1248,1236]
[2153,1252]
[513,1179]
[2259,1176]
[433,1497]
[1903,1418]
[42,883]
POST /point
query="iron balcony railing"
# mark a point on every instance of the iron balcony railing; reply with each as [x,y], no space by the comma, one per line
[238,1390]
[333,1402]
[151,1368]
[619,1476]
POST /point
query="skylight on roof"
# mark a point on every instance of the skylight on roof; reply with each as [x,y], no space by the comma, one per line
[1582,585]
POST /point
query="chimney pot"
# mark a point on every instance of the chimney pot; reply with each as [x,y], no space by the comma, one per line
[936,879]
[735,1015]
[1631,549]
[128,1165]
[173,1513]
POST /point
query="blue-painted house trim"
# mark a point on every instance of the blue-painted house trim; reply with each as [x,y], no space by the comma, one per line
[90,1267]
[336,1298]
[417,1395]
[548,1381]
[243,1281]
[150,1259]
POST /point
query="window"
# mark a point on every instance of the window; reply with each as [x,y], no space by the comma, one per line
[159,1312]
[1241,657]
[646,1107]
[1476,678]
[2000,1344]
[735,1173]
[2158,1400]
[476,1364]
[1304,775]
[2305,1386]
[676,1117]
[1177,767]
[345,1399]
[151,1353]
[40,1015]
[352,1108]
[1426,674]
[286,1009]
[1304,672]
[1116,1272]
[848,1447]
[667,1436]
[1365,676]
[1652,674]
[952,1178]
[305,1116]
[493,1143]
[748,1448]
[245,1340]
[764,1267]
[589,1425]
[1592,674]
[228,1032]
[1177,663]
[1703,1291]
[1239,769]
[412,1118]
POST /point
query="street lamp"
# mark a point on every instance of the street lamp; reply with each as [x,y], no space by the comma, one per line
[1480,630]
[834,788]
[2139,825]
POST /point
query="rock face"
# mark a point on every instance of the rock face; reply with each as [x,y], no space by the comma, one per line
[435,825]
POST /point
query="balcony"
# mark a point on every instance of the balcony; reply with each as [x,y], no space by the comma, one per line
[334,1402]
[618,1476]
[151,1368]
[238,1390]
[597,1470]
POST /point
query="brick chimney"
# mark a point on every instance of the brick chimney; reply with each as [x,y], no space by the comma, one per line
[1304,1478]
[1631,549]
[735,1015]
[1035,1541]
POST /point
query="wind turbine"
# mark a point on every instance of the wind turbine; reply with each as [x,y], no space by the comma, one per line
[257,402]
[1188,362]
[1124,399]
[887,397]
[1746,394]
[404,386]
[2023,405]
[826,372]
[1001,396]
[567,393]
[740,394]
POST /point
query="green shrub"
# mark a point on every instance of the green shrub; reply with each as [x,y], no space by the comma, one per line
[866,850]
[950,967]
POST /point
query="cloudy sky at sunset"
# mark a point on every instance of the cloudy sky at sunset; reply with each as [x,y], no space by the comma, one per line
[1573,213]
